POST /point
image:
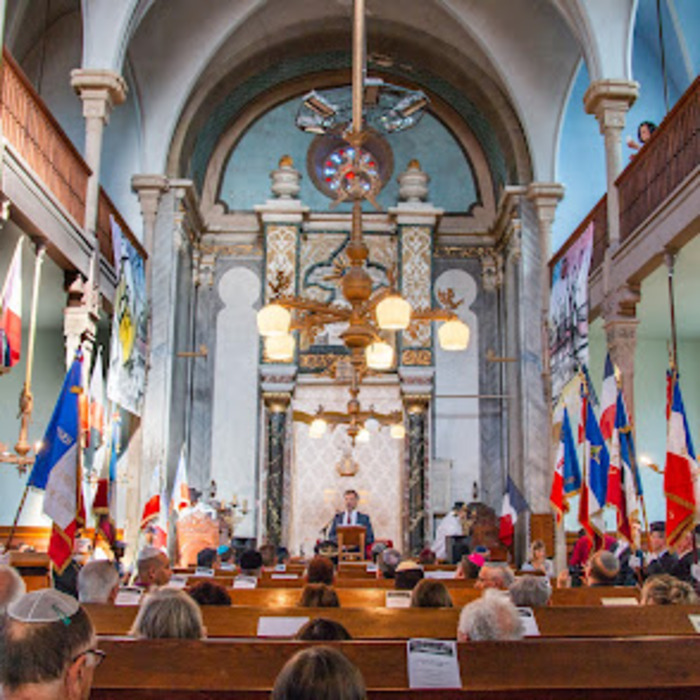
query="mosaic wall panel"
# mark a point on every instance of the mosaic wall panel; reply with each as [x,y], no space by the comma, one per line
[280,255]
[317,487]
[416,242]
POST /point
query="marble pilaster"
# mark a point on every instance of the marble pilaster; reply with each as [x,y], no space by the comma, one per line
[609,101]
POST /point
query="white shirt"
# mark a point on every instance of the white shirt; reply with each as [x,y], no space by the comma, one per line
[450,526]
[350,518]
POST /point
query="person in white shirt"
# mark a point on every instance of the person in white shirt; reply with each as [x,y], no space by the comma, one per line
[452,525]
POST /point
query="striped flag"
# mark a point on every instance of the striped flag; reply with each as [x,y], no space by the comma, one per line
[57,469]
[567,474]
[11,311]
[104,505]
[681,470]
[96,401]
[181,491]
[154,519]
[595,480]
[608,400]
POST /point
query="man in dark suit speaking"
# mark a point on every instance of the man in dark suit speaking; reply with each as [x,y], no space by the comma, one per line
[351,516]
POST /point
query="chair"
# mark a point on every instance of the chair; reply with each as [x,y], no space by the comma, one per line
[349,538]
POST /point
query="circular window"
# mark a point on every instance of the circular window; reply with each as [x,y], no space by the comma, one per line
[329,155]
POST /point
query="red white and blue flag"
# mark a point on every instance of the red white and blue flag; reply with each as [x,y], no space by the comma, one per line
[567,473]
[680,472]
[595,480]
[154,519]
[608,400]
[57,469]
[104,505]
[11,311]
[623,476]
[180,498]
[514,503]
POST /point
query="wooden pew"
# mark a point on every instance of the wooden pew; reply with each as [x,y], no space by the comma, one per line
[604,669]
[388,623]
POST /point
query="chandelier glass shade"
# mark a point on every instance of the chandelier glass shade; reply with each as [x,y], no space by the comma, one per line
[393,313]
[317,428]
[274,320]
[280,348]
[397,431]
[453,335]
[379,356]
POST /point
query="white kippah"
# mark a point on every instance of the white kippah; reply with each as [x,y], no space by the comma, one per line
[45,605]
[149,552]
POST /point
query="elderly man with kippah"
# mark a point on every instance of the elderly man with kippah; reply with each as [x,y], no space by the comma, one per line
[153,568]
[48,649]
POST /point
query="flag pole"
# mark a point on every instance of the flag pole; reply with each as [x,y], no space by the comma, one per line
[670,259]
[16,520]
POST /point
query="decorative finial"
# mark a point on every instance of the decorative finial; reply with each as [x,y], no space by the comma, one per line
[413,164]
[286,161]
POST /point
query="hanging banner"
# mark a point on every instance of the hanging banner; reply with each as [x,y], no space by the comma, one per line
[126,378]
[568,313]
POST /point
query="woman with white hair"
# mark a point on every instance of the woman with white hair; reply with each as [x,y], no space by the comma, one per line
[11,586]
[493,617]
[169,613]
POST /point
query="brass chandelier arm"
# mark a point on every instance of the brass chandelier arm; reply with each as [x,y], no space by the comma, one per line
[433,315]
[336,313]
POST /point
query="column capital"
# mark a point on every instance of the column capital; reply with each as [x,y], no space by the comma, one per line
[416,385]
[609,101]
[545,196]
[620,305]
[281,211]
[276,379]
[100,90]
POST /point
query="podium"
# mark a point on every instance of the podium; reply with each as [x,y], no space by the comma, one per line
[349,538]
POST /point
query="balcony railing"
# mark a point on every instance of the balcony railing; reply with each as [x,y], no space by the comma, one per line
[671,154]
[32,130]
[105,209]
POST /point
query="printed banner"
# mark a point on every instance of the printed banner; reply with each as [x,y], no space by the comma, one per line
[568,313]
[127,361]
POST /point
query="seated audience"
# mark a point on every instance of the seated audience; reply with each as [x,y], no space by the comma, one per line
[225,556]
[153,568]
[318,595]
[664,589]
[322,630]
[430,593]
[470,566]
[168,613]
[268,552]
[495,575]
[209,593]
[530,591]
[207,558]
[387,562]
[426,557]
[538,561]
[319,673]
[408,574]
[98,582]
[11,586]
[493,617]
[602,569]
[282,555]
[48,649]
[320,570]
[686,557]
[250,564]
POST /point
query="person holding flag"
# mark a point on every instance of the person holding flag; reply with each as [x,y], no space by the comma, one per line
[58,469]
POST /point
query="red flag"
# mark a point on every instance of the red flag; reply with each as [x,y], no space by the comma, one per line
[608,400]
[11,311]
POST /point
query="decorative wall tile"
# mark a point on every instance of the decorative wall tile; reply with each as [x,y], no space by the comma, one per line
[415,281]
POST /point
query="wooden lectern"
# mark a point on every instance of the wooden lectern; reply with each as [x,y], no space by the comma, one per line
[350,536]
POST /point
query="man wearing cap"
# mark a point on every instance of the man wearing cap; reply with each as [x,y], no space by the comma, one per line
[351,516]
[48,649]
[408,574]
[153,568]
[659,560]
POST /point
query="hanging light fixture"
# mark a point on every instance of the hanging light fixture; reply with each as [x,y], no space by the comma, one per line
[280,348]
[397,431]
[274,320]
[379,355]
[393,313]
[454,335]
[363,435]
[317,428]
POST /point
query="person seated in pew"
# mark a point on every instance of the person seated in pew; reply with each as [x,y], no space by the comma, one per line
[408,574]
[387,562]
[664,589]
[11,586]
[319,673]
[268,552]
[320,570]
[686,557]
[318,595]
[470,566]
[210,593]
[168,613]
[538,561]
[426,557]
[322,630]
[208,558]
[48,649]
[98,582]
[495,575]
[152,568]
[601,569]
[493,617]
[530,591]
[250,564]
[431,593]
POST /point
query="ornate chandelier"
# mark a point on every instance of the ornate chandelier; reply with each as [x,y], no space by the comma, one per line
[369,316]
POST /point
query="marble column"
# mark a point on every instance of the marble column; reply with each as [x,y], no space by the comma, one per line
[609,101]
[417,391]
[277,383]
[620,321]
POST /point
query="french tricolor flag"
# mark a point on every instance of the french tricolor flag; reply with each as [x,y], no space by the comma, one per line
[11,311]
[514,503]
[608,400]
